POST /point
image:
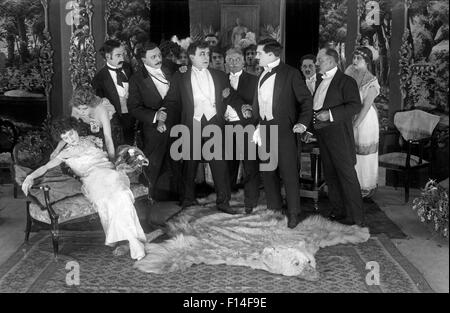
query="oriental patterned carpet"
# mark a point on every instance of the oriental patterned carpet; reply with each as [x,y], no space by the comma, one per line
[342,268]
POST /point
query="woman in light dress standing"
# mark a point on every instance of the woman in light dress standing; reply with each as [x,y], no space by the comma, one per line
[365,124]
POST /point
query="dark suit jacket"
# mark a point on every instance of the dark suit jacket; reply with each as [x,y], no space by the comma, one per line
[144,99]
[143,102]
[104,86]
[180,100]
[344,102]
[246,90]
[292,101]
[342,99]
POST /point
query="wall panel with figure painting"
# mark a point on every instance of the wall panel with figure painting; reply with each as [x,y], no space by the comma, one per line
[211,16]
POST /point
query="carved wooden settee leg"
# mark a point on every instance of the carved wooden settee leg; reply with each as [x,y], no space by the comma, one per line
[28,225]
[55,234]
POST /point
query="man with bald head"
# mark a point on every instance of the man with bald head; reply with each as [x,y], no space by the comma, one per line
[336,102]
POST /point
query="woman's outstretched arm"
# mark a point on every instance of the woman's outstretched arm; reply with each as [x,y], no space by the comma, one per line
[103,117]
[59,147]
[29,180]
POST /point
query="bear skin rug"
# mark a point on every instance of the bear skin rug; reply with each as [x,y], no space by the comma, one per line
[260,240]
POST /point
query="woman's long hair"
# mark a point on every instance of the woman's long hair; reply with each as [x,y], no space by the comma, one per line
[84,95]
[63,125]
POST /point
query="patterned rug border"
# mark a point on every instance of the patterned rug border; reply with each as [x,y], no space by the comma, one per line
[412,271]
[26,248]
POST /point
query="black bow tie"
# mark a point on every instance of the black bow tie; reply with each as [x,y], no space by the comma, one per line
[121,77]
[265,77]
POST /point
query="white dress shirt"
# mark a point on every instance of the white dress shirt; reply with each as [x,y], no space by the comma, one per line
[203,91]
[158,77]
[322,90]
[121,91]
[234,79]
[265,92]
[311,83]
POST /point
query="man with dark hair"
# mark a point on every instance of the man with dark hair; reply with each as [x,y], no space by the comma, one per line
[251,65]
[217,61]
[199,97]
[308,69]
[282,102]
[212,40]
[111,82]
[148,88]
[170,52]
[245,85]
[336,102]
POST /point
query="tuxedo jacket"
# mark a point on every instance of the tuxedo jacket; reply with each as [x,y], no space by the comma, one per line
[292,101]
[104,86]
[143,102]
[246,90]
[144,99]
[342,99]
[180,100]
[344,102]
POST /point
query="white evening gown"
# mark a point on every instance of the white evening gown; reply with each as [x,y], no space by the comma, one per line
[366,141]
[109,190]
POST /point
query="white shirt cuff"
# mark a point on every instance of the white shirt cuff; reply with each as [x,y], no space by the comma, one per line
[331,116]
[303,127]
[154,119]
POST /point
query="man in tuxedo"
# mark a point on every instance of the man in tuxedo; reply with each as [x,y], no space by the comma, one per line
[111,82]
[308,69]
[336,102]
[199,97]
[245,85]
[283,101]
[148,87]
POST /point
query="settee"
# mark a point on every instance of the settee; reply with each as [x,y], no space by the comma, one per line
[56,201]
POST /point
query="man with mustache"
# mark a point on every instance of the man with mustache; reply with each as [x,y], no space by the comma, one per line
[199,97]
[308,69]
[111,82]
[148,88]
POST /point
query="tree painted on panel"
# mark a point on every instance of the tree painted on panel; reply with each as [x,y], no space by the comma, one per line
[333,26]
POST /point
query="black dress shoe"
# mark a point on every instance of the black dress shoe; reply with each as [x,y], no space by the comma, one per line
[337,217]
[293,220]
[347,221]
[229,210]
[361,224]
[187,203]
[248,210]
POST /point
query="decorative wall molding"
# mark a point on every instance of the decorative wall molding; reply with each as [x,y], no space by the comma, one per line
[82,50]
[46,58]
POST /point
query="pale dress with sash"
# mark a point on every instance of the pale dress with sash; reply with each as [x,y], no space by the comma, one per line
[109,190]
[367,136]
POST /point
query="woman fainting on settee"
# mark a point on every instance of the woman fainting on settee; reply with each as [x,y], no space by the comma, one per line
[96,115]
[107,188]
